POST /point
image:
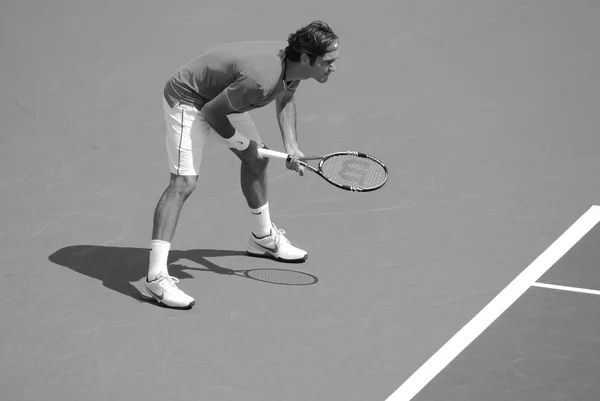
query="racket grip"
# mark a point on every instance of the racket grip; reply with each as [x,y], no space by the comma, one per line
[272,154]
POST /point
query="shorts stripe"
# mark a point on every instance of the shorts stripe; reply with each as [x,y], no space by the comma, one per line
[180,142]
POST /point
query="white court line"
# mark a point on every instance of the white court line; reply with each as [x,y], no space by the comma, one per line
[465,336]
[566,288]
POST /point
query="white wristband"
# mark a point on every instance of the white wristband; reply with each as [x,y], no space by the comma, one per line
[239,141]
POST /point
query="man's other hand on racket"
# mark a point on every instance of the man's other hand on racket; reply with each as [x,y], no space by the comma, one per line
[294,162]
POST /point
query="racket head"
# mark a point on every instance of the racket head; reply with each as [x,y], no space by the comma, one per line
[353,171]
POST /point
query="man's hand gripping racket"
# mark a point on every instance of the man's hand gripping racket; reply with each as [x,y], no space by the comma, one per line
[348,170]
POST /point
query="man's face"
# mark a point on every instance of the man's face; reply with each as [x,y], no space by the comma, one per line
[325,65]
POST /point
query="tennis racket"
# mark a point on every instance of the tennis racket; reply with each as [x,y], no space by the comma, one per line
[348,170]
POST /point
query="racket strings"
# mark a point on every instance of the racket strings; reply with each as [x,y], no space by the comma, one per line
[354,171]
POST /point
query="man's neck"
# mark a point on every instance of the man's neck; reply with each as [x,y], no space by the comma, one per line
[292,72]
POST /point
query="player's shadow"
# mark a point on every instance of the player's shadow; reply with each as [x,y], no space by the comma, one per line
[118,268]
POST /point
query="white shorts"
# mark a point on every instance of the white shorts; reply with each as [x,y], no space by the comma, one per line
[187,132]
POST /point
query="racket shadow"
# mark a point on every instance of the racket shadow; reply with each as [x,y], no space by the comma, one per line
[122,268]
[265,275]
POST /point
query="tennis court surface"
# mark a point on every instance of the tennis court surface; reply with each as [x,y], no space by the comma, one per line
[473,275]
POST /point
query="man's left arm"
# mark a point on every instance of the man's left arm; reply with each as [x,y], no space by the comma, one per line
[285,107]
[286,117]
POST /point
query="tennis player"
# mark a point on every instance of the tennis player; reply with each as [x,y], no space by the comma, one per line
[211,96]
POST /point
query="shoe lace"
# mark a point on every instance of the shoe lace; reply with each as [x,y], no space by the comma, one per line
[168,282]
[279,235]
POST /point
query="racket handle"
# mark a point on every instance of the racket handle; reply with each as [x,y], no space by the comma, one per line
[272,154]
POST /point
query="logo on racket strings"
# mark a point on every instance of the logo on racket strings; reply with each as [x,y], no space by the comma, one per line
[354,171]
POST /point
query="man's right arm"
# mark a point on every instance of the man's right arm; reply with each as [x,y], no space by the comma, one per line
[215,113]
[235,97]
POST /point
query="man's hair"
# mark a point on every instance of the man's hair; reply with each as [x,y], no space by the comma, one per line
[312,39]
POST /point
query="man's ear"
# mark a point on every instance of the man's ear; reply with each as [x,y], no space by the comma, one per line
[304,58]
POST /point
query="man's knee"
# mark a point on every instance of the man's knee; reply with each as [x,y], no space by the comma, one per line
[183,185]
[256,166]
[259,164]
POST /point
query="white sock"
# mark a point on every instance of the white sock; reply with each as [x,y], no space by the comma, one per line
[262,220]
[159,255]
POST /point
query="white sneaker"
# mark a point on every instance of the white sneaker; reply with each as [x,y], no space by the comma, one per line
[164,290]
[276,246]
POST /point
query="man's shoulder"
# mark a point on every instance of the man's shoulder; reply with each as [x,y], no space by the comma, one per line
[260,61]
[251,47]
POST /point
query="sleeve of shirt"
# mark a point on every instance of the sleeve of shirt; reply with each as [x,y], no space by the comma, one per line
[242,93]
